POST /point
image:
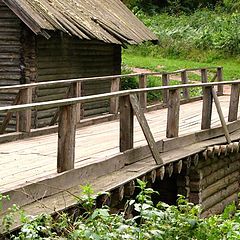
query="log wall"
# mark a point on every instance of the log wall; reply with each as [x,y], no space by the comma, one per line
[64,57]
[10,73]
[214,183]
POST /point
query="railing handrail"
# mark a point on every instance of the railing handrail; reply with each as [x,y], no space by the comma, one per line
[76,100]
[69,81]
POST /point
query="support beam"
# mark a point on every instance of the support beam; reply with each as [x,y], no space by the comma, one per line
[126,124]
[220,113]
[77,92]
[173,114]
[234,102]
[145,128]
[66,138]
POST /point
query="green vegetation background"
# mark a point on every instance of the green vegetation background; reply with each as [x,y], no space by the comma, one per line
[191,34]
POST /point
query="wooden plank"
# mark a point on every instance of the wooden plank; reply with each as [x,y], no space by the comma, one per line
[114,102]
[143,96]
[126,124]
[207,108]
[66,138]
[145,128]
[184,78]
[173,114]
[77,92]
[220,114]
[220,79]
[25,117]
[165,82]
[234,102]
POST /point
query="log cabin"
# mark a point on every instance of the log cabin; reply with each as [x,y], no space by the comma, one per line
[43,40]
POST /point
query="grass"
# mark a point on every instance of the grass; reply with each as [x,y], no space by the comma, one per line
[231,66]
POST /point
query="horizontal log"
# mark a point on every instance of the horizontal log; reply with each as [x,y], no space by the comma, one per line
[221,195]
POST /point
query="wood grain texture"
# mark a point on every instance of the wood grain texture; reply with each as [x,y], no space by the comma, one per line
[66,138]
[234,102]
[173,114]
[143,96]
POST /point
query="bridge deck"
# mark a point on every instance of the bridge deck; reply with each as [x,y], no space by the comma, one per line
[26,160]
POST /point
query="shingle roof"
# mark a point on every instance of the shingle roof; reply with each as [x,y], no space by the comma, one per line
[106,20]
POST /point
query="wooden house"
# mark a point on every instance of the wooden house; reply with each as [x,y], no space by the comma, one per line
[46,40]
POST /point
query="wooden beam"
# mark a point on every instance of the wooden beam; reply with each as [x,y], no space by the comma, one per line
[126,124]
[165,82]
[220,79]
[234,102]
[114,102]
[184,78]
[173,114]
[66,138]
[220,113]
[207,108]
[25,117]
[145,128]
[143,96]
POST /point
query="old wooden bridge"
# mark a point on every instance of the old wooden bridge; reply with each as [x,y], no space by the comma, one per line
[182,144]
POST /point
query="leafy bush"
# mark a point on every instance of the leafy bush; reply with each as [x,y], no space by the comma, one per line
[150,222]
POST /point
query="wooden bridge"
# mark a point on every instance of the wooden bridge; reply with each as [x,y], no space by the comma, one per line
[188,144]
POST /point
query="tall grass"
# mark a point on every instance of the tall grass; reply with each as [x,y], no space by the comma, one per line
[203,36]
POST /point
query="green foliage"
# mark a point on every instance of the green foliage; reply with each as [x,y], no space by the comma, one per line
[158,222]
[203,36]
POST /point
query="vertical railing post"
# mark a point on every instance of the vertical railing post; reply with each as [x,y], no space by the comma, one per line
[207,102]
[77,92]
[25,117]
[234,102]
[114,102]
[165,82]
[220,79]
[143,96]
[173,113]
[184,78]
[66,138]
[126,123]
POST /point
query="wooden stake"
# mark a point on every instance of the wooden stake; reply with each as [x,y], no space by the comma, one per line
[66,138]
[185,81]
[234,102]
[165,82]
[173,114]
[126,124]
[143,96]
[114,102]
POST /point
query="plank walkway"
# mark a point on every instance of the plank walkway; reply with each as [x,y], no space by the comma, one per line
[25,161]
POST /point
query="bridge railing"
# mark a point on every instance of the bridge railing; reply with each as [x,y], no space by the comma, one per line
[25,92]
[129,105]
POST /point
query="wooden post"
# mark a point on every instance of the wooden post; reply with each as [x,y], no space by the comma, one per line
[77,92]
[25,117]
[184,78]
[126,123]
[173,113]
[115,86]
[207,108]
[165,82]
[207,102]
[220,79]
[66,138]
[143,96]
[234,102]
